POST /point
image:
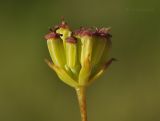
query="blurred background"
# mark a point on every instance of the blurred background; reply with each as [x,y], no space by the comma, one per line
[31,91]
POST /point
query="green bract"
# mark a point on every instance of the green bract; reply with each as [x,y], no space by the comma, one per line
[79,57]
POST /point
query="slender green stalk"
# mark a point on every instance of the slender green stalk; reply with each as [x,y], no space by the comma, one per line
[81,95]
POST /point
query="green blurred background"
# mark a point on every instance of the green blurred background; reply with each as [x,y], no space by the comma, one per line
[31,91]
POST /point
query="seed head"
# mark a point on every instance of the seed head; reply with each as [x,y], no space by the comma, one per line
[81,56]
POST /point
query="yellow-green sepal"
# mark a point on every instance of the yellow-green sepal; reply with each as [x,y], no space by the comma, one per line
[71,54]
[99,72]
[86,49]
[105,55]
[99,47]
[85,60]
[84,73]
[56,49]
[63,75]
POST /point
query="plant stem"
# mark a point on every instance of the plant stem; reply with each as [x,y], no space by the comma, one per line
[81,95]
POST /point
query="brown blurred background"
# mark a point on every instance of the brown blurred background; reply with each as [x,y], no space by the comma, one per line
[31,91]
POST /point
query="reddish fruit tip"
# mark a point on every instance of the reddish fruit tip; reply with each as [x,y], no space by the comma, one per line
[63,24]
[102,32]
[52,35]
[72,40]
[84,32]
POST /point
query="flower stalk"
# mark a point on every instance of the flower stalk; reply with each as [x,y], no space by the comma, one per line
[81,95]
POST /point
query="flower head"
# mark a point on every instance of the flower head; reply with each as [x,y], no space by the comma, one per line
[81,56]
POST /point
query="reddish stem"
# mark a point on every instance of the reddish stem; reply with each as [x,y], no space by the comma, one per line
[81,95]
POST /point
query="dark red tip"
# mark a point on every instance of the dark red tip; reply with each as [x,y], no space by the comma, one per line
[52,35]
[72,40]
[103,32]
[63,24]
[84,32]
